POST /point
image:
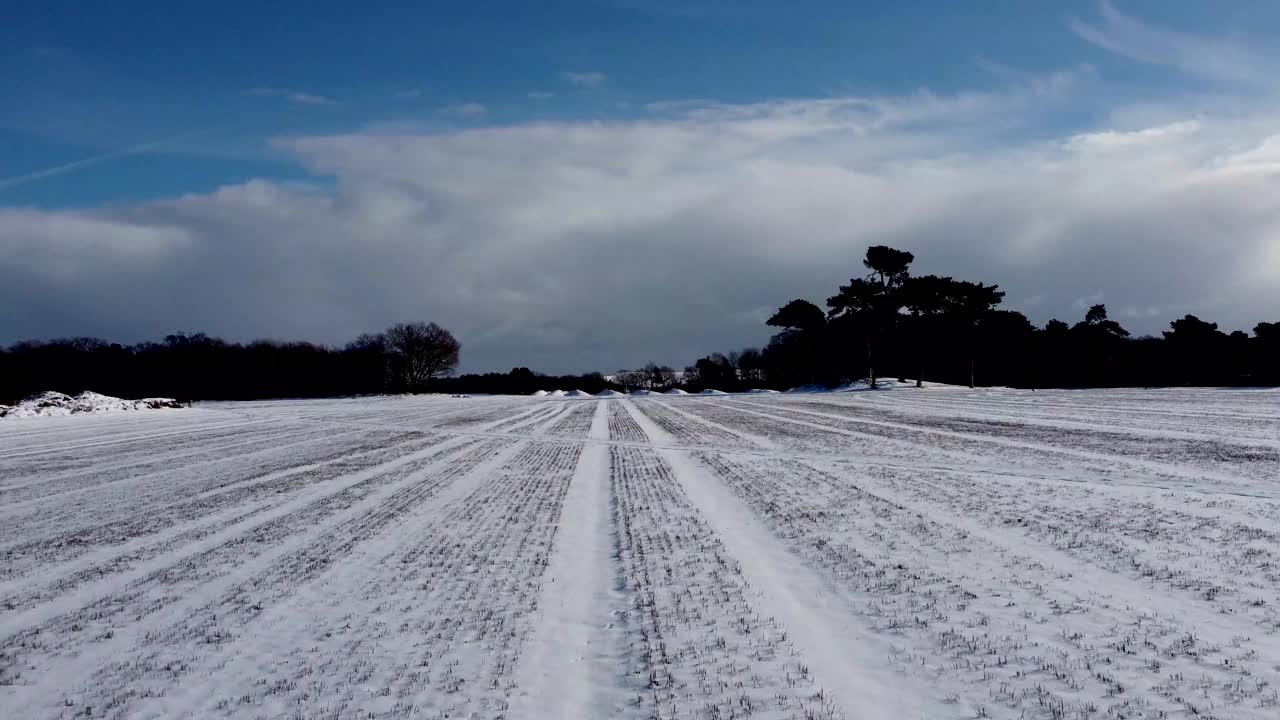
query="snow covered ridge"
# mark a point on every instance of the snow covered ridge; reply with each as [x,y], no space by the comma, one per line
[855,386]
[49,404]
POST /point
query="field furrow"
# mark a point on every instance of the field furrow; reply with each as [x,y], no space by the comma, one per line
[935,554]
[697,648]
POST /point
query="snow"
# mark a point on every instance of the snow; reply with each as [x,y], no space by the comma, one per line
[51,404]
[676,391]
[578,394]
[578,638]
[881,384]
[807,389]
[539,393]
[610,394]
[996,554]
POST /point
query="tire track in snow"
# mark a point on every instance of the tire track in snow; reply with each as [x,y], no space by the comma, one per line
[945,593]
[98,441]
[570,670]
[845,656]
[168,533]
[1105,463]
[125,479]
[81,527]
[250,629]
[685,426]
[91,622]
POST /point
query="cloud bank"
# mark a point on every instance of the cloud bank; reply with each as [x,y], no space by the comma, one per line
[570,246]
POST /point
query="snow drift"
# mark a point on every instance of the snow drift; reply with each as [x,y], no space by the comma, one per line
[49,404]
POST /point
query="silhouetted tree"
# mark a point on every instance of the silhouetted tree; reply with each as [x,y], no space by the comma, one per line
[367,358]
[661,377]
[633,379]
[868,306]
[422,351]
[749,363]
[1100,338]
[928,299]
[1005,341]
[1195,345]
[799,315]
[796,351]
[1265,363]
[967,304]
[716,372]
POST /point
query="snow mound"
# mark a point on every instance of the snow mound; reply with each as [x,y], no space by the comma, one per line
[610,393]
[883,384]
[709,391]
[676,391]
[556,393]
[578,393]
[761,391]
[642,392]
[50,404]
[539,393]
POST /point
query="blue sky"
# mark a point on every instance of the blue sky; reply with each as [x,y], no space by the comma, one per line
[189,93]
[289,144]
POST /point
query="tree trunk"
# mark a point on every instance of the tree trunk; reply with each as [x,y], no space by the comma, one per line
[971,372]
[871,367]
[920,377]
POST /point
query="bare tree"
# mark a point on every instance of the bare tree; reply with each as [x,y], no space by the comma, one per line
[422,351]
[660,376]
[632,379]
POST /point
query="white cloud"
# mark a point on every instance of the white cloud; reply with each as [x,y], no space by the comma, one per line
[585,79]
[293,96]
[1209,59]
[579,245]
[1143,139]
[470,110]
[16,180]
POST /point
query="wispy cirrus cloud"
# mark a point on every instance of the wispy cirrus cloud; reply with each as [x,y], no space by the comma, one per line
[467,110]
[1208,58]
[589,80]
[293,96]
[16,180]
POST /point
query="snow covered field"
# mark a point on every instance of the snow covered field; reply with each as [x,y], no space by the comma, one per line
[904,554]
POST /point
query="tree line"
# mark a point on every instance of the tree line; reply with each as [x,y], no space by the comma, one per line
[407,357]
[885,323]
[888,323]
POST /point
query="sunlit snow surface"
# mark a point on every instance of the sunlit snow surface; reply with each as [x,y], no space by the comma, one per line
[906,554]
[53,404]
